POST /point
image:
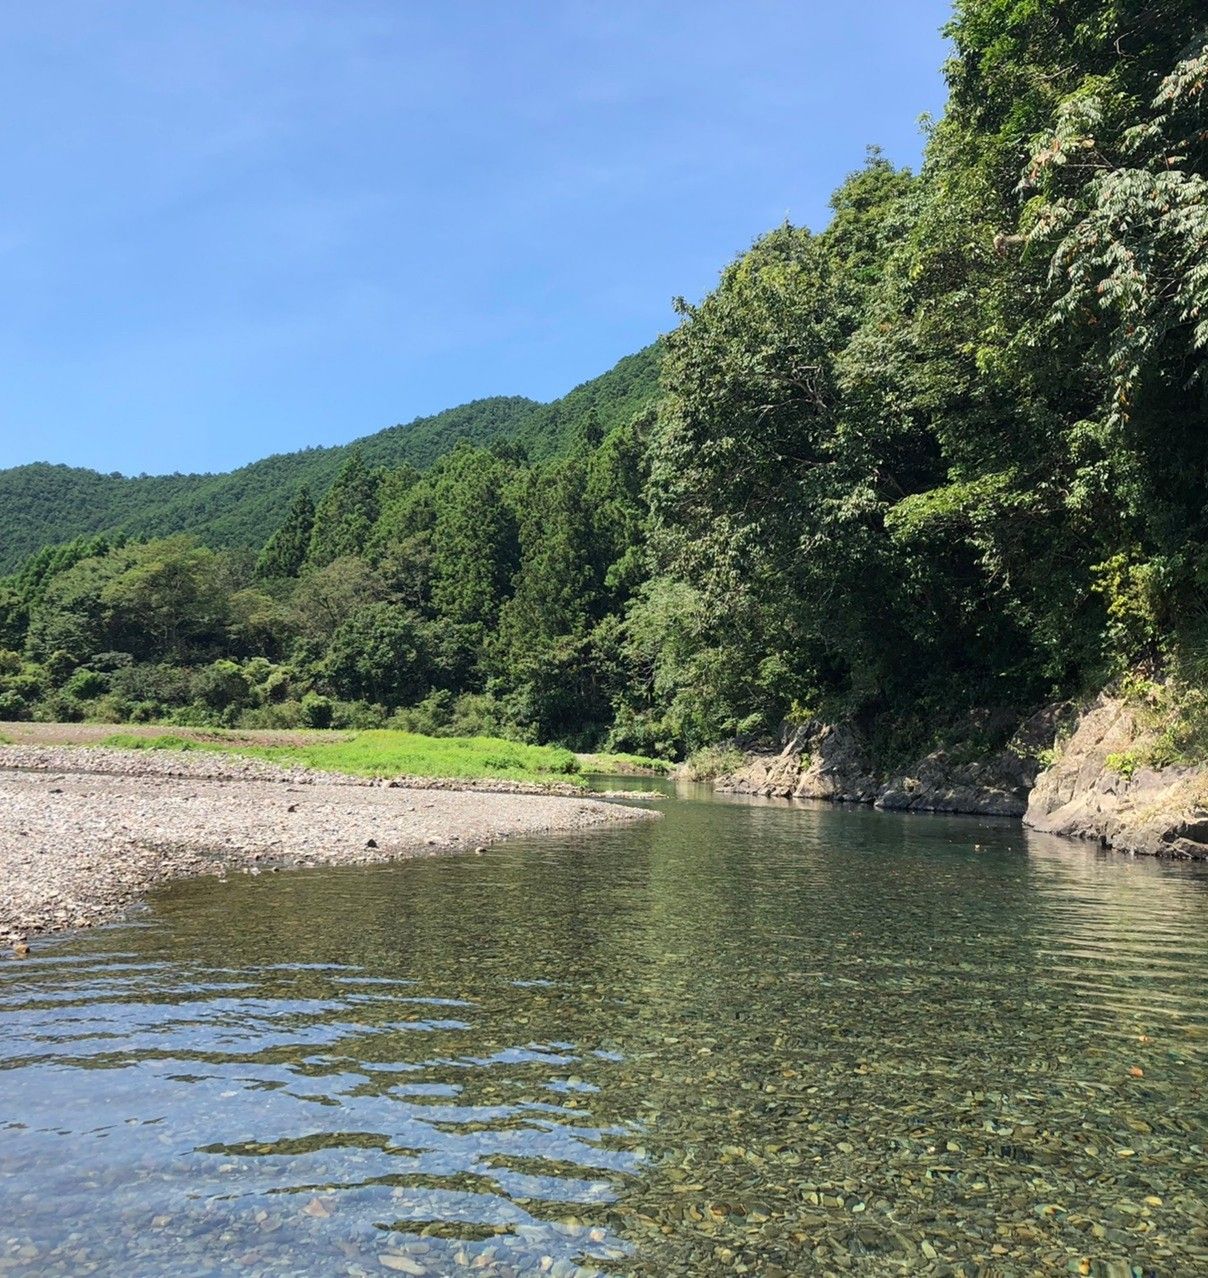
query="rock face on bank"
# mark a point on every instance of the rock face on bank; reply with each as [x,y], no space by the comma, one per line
[1083,793]
[1152,812]
[828,761]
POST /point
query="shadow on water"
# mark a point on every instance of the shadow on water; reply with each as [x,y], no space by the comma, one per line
[752,1037]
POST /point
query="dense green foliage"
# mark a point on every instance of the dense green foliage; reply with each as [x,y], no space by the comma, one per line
[480,596]
[946,457]
[951,452]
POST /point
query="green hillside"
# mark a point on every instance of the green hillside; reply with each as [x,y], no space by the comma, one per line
[922,472]
[43,504]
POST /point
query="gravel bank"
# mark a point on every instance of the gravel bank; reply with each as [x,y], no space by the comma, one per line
[83,833]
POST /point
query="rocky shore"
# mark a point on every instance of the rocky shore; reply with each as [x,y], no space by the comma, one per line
[86,832]
[829,761]
[1059,771]
[1147,811]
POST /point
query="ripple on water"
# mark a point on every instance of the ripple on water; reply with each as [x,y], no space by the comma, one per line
[748,1037]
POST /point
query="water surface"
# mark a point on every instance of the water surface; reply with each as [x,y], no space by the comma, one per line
[752,1037]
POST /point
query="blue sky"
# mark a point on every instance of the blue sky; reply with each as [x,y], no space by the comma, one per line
[236,228]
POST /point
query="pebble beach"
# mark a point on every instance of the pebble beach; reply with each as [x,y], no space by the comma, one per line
[85,833]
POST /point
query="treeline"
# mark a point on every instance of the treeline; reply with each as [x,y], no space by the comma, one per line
[946,458]
[41,504]
[483,595]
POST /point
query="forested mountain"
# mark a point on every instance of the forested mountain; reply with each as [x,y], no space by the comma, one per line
[930,467]
[44,504]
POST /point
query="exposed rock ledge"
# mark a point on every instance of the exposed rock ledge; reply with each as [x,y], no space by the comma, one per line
[825,761]
[1154,812]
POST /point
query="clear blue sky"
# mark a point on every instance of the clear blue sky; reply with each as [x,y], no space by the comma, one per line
[236,227]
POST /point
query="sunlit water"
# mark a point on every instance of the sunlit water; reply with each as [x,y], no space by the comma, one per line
[751,1037]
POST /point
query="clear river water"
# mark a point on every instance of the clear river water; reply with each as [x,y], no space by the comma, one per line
[752,1037]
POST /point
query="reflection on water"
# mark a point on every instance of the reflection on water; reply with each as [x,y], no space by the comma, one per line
[753,1037]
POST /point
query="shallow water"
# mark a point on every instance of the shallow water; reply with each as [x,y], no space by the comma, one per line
[752,1037]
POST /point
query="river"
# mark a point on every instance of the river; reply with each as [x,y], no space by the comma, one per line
[752,1037]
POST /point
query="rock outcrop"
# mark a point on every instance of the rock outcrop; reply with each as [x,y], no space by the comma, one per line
[819,761]
[1147,811]
[827,761]
[1088,791]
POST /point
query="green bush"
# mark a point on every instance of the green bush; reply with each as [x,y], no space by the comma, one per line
[193,716]
[361,715]
[281,714]
[316,710]
[220,684]
[111,709]
[273,685]
[472,714]
[86,684]
[152,682]
[712,761]
[1125,763]
[59,707]
[13,706]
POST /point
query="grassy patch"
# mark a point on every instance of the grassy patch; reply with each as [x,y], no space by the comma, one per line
[384,753]
[712,761]
[1172,723]
[620,764]
[135,741]
[1125,763]
[387,753]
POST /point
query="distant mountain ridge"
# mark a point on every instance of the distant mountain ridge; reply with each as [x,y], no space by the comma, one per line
[45,504]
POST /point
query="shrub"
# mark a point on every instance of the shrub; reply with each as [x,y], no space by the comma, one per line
[149,681]
[59,707]
[13,706]
[473,714]
[111,709]
[357,714]
[316,710]
[275,686]
[86,684]
[220,685]
[1125,763]
[632,730]
[280,714]
[195,715]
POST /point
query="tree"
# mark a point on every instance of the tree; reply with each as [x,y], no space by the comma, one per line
[326,597]
[474,539]
[165,598]
[378,654]
[542,649]
[285,552]
[346,515]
